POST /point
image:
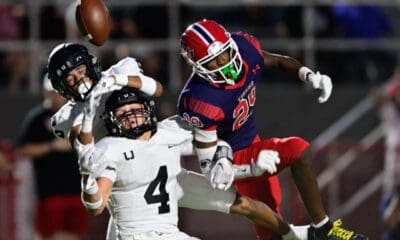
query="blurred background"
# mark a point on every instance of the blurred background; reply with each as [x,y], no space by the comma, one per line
[357,43]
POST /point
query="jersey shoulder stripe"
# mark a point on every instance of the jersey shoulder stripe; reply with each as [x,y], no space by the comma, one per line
[203,108]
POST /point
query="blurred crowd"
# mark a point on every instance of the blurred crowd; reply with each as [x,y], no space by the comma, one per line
[367,67]
[339,21]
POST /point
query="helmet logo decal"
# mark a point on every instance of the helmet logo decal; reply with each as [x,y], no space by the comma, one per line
[215,48]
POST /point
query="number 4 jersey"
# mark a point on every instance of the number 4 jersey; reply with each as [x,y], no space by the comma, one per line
[228,109]
[145,189]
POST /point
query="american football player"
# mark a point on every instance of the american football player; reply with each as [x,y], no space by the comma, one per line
[218,100]
[76,73]
[136,172]
[69,120]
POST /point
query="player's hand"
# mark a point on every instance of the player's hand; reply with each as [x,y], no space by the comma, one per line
[88,164]
[322,82]
[93,101]
[85,153]
[222,174]
[267,160]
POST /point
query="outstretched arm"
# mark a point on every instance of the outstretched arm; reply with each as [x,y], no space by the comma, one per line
[291,66]
[96,189]
[286,64]
[142,82]
[128,72]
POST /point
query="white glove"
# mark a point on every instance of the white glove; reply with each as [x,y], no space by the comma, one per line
[222,174]
[89,162]
[89,108]
[267,160]
[85,156]
[322,82]
[92,103]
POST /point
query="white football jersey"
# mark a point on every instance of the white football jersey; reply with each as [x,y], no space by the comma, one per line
[70,114]
[145,191]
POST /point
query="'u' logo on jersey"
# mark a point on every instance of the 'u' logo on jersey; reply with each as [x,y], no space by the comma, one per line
[129,156]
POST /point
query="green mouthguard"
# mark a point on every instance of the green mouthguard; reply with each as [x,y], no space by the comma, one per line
[229,69]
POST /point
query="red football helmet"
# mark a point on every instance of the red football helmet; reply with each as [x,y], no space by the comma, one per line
[202,42]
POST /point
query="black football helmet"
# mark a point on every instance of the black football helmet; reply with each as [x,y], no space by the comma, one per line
[64,58]
[124,96]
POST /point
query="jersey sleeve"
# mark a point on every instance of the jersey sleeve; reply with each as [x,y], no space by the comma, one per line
[67,117]
[127,66]
[253,40]
[200,114]
[106,161]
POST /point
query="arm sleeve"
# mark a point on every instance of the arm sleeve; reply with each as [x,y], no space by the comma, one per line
[106,162]
[200,114]
[205,136]
[127,66]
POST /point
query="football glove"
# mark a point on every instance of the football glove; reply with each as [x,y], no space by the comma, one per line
[318,81]
[322,82]
[267,160]
[222,174]
[87,160]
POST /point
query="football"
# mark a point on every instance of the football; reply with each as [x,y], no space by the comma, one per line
[93,20]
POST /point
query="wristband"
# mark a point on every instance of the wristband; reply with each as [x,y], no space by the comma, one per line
[93,206]
[148,85]
[121,79]
[304,73]
[223,152]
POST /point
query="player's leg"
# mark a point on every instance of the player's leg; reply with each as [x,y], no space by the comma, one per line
[266,190]
[198,194]
[296,153]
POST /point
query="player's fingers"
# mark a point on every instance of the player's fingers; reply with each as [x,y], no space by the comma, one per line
[277,160]
[327,89]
